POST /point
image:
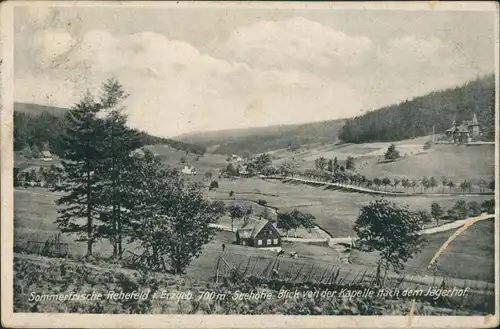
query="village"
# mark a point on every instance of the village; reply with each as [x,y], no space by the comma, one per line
[273,160]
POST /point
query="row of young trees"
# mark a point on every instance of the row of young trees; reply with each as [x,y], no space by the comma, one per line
[462,210]
[114,193]
[354,178]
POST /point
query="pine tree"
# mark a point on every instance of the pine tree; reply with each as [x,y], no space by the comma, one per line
[81,152]
[118,144]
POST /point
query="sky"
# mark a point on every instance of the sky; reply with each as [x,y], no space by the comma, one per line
[193,68]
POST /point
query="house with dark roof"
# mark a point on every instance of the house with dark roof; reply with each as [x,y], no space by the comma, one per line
[45,156]
[259,234]
[466,132]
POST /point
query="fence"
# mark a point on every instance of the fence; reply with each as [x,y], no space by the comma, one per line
[303,269]
[291,271]
[52,248]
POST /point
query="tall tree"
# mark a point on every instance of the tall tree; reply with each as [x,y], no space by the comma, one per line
[396,182]
[450,184]
[118,144]
[444,181]
[330,165]
[386,181]
[82,157]
[432,183]
[406,184]
[320,163]
[284,222]
[391,230]
[436,211]
[172,218]
[236,211]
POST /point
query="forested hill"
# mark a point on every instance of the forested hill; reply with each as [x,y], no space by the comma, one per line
[38,126]
[264,139]
[416,117]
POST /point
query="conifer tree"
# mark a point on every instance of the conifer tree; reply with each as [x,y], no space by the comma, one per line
[118,144]
[81,152]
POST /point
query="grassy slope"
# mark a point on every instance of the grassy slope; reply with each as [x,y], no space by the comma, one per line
[457,162]
[335,211]
[470,255]
[56,276]
[263,139]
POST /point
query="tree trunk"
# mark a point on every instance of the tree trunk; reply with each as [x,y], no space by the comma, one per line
[89,216]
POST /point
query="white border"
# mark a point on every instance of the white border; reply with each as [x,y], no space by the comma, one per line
[44,320]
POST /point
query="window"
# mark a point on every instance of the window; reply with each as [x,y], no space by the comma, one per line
[268,242]
[259,242]
[270,232]
[275,241]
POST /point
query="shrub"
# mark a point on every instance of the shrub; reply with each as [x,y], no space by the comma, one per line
[214,184]
[392,153]
[262,202]
[488,206]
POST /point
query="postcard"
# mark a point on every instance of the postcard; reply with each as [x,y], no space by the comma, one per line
[249,164]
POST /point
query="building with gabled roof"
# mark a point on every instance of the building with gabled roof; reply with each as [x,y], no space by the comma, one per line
[466,132]
[259,234]
[46,156]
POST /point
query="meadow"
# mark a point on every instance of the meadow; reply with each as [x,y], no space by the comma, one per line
[456,162]
[35,212]
[335,211]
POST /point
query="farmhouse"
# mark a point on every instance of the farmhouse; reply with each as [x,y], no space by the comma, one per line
[243,171]
[29,175]
[188,170]
[466,132]
[236,158]
[45,156]
[259,234]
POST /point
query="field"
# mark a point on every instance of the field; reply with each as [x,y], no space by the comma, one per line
[453,161]
[471,255]
[35,213]
[335,211]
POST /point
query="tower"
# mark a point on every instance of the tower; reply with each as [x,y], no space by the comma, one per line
[475,127]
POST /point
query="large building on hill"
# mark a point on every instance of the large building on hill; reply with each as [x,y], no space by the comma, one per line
[466,132]
[259,234]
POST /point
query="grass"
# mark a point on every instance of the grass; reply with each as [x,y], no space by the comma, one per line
[334,211]
[452,161]
[60,277]
[471,255]
[35,215]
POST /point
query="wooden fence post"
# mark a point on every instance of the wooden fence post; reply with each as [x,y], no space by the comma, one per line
[217,270]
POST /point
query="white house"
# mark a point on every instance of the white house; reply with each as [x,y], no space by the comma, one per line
[236,158]
[188,170]
[46,156]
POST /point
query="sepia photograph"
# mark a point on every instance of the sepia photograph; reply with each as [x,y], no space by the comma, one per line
[277,164]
